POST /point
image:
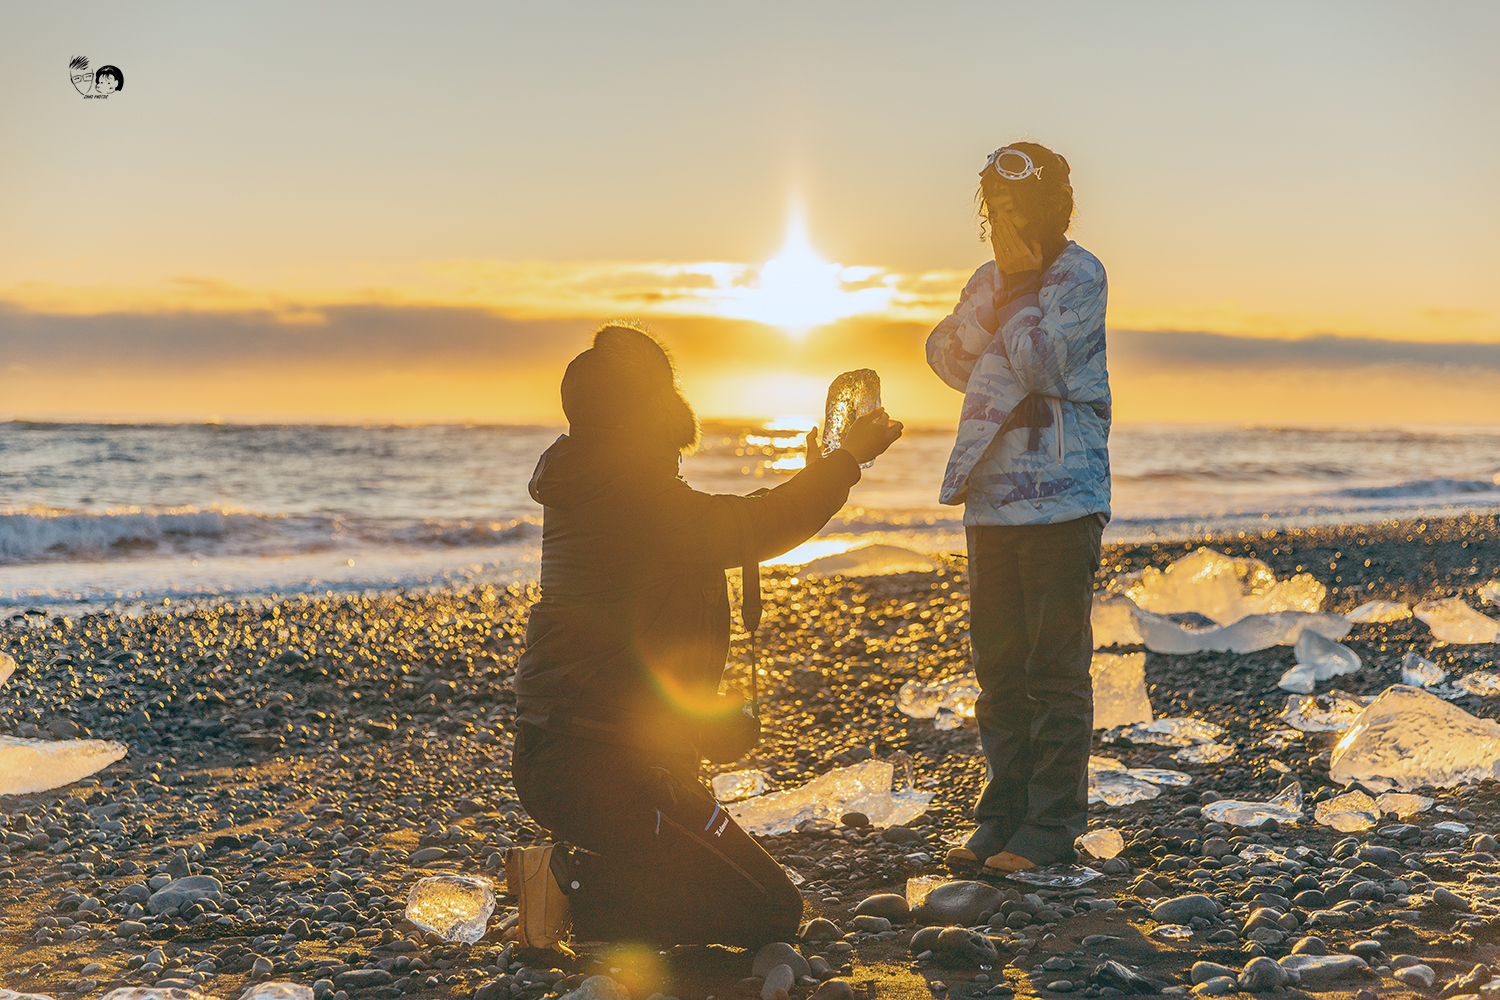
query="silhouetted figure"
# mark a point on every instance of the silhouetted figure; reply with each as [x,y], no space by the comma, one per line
[1025,345]
[617,691]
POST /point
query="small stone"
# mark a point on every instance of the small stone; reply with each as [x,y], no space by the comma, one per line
[1217,986]
[597,988]
[1184,908]
[1448,899]
[1057,964]
[1095,940]
[854,820]
[779,953]
[820,929]
[1321,970]
[1115,866]
[263,967]
[1262,974]
[834,989]
[963,945]
[1202,972]
[1310,945]
[870,925]
[961,902]
[1060,986]
[778,980]
[885,904]
[1417,976]
[180,892]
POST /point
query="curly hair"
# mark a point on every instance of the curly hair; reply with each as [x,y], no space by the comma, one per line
[1046,200]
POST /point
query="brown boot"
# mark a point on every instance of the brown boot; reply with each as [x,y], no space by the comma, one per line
[1007,862]
[545,916]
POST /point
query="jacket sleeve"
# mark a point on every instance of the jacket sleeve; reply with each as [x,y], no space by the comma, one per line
[956,342]
[1047,349]
[707,528]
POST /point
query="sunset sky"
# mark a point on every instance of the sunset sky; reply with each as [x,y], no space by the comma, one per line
[383,211]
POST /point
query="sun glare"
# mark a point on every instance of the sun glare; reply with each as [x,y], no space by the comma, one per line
[799,291]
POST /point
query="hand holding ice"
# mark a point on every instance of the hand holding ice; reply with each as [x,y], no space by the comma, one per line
[851,396]
[867,788]
[455,907]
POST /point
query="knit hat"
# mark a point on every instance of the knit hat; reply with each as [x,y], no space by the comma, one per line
[627,382]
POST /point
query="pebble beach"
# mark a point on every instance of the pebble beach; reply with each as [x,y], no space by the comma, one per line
[315,757]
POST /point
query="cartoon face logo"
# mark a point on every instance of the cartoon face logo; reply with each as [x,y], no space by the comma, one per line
[83,80]
[107,80]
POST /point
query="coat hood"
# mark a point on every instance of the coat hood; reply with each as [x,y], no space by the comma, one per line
[581,468]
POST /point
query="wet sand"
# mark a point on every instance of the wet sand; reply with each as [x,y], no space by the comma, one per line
[299,752]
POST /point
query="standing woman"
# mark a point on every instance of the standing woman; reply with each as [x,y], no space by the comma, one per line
[1025,346]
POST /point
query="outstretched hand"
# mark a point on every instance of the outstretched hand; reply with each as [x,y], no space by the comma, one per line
[870,435]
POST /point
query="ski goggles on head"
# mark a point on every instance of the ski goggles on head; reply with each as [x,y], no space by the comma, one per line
[1012,165]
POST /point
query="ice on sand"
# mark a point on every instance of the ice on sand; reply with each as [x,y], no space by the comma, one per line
[1348,813]
[1490,592]
[1120,690]
[1419,672]
[736,785]
[1403,804]
[7,667]
[1483,683]
[947,703]
[850,396]
[278,991]
[153,993]
[1379,611]
[1162,634]
[1204,753]
[1285,807]
[1407,738]
[454,907]
[37,765]
[1180,732]
[1451,620]
[868,787]
[1334,712]
[1113,619]
[1103,843]
[1223,588]
[1318,659]
[870,560]
[1113,784]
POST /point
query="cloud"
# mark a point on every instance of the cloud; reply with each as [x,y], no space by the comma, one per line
[1172,350]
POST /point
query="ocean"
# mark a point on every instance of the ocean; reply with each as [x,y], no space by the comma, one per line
[134,515]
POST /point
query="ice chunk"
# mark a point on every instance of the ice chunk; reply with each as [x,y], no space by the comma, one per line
[1055,876]
[278,991]
[850,396]
[1119,788]
[1300,679]
[1490,592]
[1161,634]
[1379,611]
[738,785]
[1103,843]
[1450,827]
[1403,804]
[1407,738]
[1484,683]
[868,787]
[1113,619]
[1168,732]
[1333,712]
[1224,588]
[918,886]
[1285,807]
[7,667]
[1329,658]
[1421,673]
[1451,620]
[948,703]
[1204,753]
[6,994]
[37,765]
[869,560]
[1172,932]
[454,907]
[153,993]
[1120,689]
[1161,776]
[1348,813]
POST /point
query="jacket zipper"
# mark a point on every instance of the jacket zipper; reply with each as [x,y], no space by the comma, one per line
[1057,419]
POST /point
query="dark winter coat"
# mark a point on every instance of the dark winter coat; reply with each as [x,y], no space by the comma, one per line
[629,639]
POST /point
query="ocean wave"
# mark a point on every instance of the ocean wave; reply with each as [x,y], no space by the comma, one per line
[1421,489]
[45,535]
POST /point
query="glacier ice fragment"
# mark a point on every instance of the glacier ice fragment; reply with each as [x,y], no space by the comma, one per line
[1250,634]
[1113,619]
[1119,788]
[1490,592]
[1379,611]
[13,995]
[736,785]
[1327,657]
[278,991]
[1403,804]
[1484,683]
[1161,776]
[454,907]
[869,560]
[1204,753]
[1451,828]
[1348,813]
[1285,807]
[868,787]
[1103,843]
[1333,712]
[1120,690]
[850,396]
[1223,588]
[1420,672]
[947,702]
[153,993]
[28,765]
[1300,679]
[1180,732]
[7,667]
[1451,620]
[1408,738]
[918,886]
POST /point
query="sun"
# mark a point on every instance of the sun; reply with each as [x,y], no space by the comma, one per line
[799,291]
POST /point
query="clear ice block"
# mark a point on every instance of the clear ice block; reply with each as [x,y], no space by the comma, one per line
[869,560]
[1490,592]
[1419,672]
[1403,804]
[1204,753]
[1181,732]
[1333,712]
[1408,738]
[1284,807]
[1300,679]
[868,787]
[152,993]
[278,991]
[1327,657]
[1348,813]
[1379,611]
[7,667]
[1161,634]
[1451,620]
[918,886]
[1103,843]
[38,765]
[948,703]
[850,396]
[1113,619]
[736,785]
[1120,690]
[1484,683]
[1223,588]
[454,907]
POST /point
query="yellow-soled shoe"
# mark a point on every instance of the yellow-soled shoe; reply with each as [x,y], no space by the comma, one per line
[545,916]
[1007,862]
